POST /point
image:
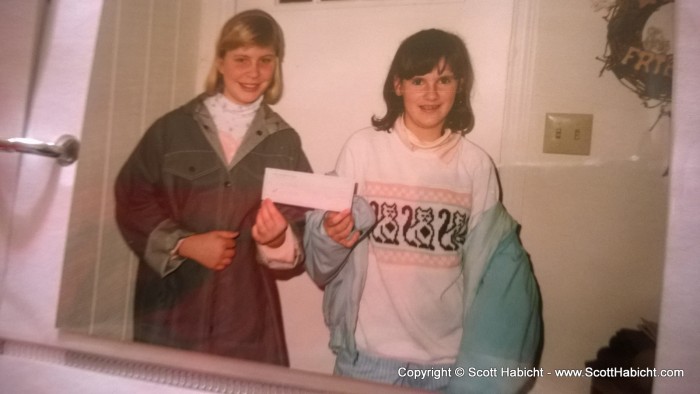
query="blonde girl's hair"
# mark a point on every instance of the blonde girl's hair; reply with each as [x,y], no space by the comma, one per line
[249,28]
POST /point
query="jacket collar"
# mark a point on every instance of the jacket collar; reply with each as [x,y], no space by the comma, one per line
[265,123]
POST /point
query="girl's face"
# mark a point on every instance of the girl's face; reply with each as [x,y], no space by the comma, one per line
[247,72]
[427,100]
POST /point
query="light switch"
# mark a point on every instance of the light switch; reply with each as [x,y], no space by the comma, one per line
[568,134]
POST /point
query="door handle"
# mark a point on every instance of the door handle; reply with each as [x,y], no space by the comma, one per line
[64,150]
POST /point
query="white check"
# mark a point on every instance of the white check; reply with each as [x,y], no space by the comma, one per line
[330,193]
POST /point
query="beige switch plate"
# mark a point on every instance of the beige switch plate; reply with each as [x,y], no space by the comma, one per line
[568,134]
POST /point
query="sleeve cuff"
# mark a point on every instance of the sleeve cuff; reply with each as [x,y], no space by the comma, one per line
[161,249]
[286,256]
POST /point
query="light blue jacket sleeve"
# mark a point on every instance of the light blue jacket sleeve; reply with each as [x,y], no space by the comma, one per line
[325,257]
[340,272]
[502,327]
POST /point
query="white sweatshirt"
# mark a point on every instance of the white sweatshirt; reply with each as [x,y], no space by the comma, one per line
[426,197]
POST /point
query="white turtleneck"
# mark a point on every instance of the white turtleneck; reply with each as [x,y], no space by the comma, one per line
[232,121]
[444,147]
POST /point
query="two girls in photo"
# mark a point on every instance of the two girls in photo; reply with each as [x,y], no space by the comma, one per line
[425,271]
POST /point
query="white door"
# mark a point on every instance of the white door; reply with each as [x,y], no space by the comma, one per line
[47,49]
[19,27]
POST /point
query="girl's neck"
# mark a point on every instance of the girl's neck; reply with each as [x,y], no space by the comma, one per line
[426,135]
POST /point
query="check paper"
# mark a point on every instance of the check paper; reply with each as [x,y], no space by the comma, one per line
[326,192]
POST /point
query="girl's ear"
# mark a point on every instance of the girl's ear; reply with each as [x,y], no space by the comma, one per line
[398,89]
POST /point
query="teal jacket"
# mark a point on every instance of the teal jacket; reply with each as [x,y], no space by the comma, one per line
[502,325]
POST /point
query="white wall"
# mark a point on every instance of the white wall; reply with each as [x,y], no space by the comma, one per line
[594,225]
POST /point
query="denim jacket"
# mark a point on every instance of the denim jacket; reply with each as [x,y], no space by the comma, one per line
[502,324]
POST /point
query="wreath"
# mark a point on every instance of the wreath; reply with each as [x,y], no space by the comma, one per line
[642,64]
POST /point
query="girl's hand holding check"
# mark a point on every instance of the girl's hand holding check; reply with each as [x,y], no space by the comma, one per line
[339,226]
[270,225]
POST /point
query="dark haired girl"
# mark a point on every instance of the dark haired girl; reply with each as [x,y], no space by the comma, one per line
[425,274]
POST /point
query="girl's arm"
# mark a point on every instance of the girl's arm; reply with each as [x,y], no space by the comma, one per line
[278,228]
[142,215]
[326,257]
[278,246]
[330,236]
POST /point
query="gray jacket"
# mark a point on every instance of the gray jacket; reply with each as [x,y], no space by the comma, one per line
[176,183]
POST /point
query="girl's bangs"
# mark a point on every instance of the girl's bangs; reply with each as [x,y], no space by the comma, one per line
[417,63]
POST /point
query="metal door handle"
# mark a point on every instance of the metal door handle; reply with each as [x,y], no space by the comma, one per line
[65,149]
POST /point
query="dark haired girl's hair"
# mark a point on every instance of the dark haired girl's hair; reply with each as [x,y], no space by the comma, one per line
[418,55]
